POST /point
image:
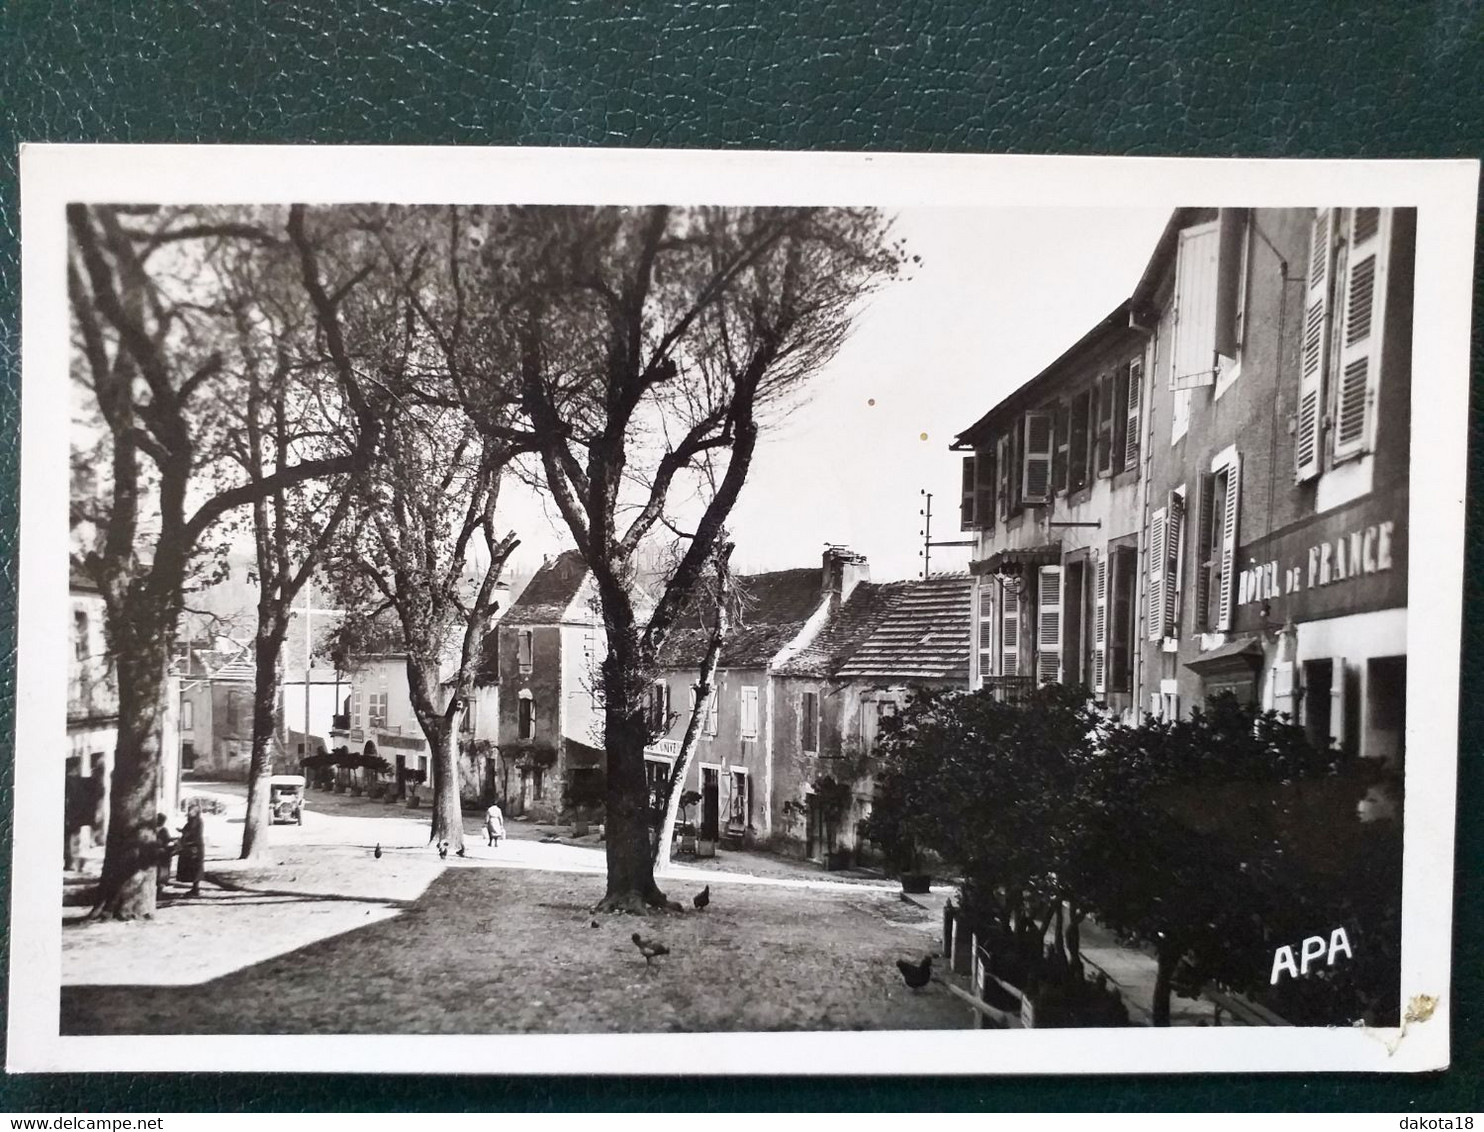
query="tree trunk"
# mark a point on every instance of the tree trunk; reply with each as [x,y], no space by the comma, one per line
[448,809]
[1163,980]
[130,858]
[268,680]
[440,728]
[631,886]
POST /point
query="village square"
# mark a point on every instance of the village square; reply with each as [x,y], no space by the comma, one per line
[480,625]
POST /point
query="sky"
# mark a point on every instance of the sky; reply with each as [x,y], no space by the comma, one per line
[1000,293]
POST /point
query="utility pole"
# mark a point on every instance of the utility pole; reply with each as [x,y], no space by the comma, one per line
[926,554]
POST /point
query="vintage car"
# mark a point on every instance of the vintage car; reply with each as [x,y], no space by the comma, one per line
[286,798]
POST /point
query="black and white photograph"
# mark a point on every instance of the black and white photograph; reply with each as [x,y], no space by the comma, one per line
[696,613]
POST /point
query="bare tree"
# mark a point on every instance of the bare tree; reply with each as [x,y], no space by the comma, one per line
[650,341]
[150,336]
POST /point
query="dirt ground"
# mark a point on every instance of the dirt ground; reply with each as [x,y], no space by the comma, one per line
[419,948]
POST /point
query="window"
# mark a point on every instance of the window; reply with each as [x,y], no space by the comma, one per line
[1234,241]
[523,650]
[809,721]
[376,704]
[739,812]
[977,507]
[1048,624]
[187,755]
[526,717]
[1216,544]
[1079,462]
[1165,526]
[187,715]
[872,713]
[749,713]
[467,720]
[1193,354]
[1105,416]
[80,634]
[1122,578]
[1005,468]
[657,713]
[657,781]
[1063,448]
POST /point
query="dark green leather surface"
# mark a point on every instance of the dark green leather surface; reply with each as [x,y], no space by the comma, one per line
[1272,78]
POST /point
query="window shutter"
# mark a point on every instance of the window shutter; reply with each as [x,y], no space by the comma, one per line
[1174,529]
[713,711]
[1156,619]
[1194,353]
[1205,520]
[1063,446]
[1002,468]
[1283,688]
[966,495]
[1010,634]
[986,636]
[1337,694]
[1315,346]
[1229,543]
[1230,281]
[1100,628]
[984,488]
[1360,333]
[1036,465]
[1048,625]
[1131,428]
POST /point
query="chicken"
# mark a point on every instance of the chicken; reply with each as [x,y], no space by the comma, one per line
[702,898]
[916,975]
[377,854]
[649,948]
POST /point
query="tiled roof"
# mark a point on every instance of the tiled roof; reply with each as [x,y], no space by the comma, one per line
[774,607]
[925,634]
[546,598]
[847,629]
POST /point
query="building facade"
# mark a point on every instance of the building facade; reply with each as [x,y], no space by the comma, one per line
[1209,491]
[549,644]
[1279,442]
[819,656]
[92,726]
[1052,494]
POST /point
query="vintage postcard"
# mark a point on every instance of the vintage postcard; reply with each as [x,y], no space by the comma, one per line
[503,611]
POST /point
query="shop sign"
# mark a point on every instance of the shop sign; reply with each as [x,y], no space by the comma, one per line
[1351,560]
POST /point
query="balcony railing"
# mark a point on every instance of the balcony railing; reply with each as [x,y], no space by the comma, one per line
[1010,689]
[340,722]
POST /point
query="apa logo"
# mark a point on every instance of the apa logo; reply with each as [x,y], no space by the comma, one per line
[1309,952]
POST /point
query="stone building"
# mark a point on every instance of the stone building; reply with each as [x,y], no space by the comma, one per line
[1208,492]
[549,644]
[817,658]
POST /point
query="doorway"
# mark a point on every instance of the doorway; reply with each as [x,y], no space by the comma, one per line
[710,803]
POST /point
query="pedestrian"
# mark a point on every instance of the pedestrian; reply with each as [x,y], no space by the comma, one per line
[193,849]
[494,824]
[164,850]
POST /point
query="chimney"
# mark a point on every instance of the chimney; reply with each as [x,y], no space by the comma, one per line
[843,570]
